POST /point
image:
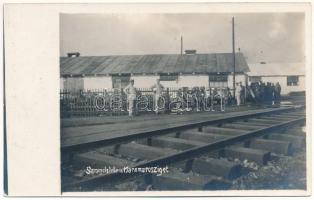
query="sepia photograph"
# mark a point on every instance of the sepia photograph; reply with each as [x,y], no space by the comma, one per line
[182,101]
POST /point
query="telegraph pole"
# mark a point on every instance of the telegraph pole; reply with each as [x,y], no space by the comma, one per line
[181,45]
[233,55]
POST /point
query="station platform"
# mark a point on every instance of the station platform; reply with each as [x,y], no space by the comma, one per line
[101,120]
[78,131]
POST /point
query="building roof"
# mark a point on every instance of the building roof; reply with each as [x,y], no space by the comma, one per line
[276,69]
[151,64]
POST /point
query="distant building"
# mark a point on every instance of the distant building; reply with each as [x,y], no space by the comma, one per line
[174,71]
[291,76]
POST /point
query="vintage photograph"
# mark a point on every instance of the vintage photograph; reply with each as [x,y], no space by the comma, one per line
[182,101]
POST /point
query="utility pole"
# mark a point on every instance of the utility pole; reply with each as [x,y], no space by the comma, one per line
[181,45]
[233,55]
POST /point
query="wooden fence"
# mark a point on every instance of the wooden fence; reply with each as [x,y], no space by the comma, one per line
[113,102]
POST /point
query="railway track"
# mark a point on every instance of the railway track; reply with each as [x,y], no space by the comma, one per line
[195,156]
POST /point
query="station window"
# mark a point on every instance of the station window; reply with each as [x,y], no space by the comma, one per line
[218,80]
[255,79]
[168,77]
[292,80]
[120,81]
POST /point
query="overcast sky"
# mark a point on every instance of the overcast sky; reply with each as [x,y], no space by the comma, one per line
[260,37]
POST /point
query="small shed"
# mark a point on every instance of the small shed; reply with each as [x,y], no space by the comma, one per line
[290,76]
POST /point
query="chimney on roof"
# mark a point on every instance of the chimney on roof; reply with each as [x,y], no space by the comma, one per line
[73,54]
[190,51]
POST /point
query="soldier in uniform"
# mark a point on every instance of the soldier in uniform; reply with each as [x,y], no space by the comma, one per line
[158,89]
[242,93]
[278,91]
[238,89]
[273,93]
[202,98]
[131,93]
[208,98]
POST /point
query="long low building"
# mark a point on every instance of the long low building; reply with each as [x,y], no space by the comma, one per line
[174,71]
[290,76]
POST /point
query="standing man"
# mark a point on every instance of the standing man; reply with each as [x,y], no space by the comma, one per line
[262,92]
[202,98]
[242,93]
[131,93]
[238,94]
[278,91]
[158,89]
[273,93]
[167,101]
[208,99]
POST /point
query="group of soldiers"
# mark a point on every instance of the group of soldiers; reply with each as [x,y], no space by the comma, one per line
[258,92]
[198,98]
[189,99]
[266,93]
[131,95]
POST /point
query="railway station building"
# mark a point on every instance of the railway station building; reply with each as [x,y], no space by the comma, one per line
[174,71]
[291,76]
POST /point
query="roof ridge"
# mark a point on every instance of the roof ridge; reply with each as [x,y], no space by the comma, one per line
[153,55]
[175,63]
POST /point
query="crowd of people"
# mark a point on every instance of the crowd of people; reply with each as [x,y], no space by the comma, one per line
[268,93]
[160,99]
[199,98]
[185,99]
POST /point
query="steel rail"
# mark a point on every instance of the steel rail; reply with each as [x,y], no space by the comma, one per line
[162,131]
[184,155]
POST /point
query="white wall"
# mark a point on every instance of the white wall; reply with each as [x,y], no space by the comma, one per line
[187,81]
[238,78]
[302,83]
[285,89]
[147,81]
[144,81]
[72,83]
[183,81]
[62,83]
[93,83]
